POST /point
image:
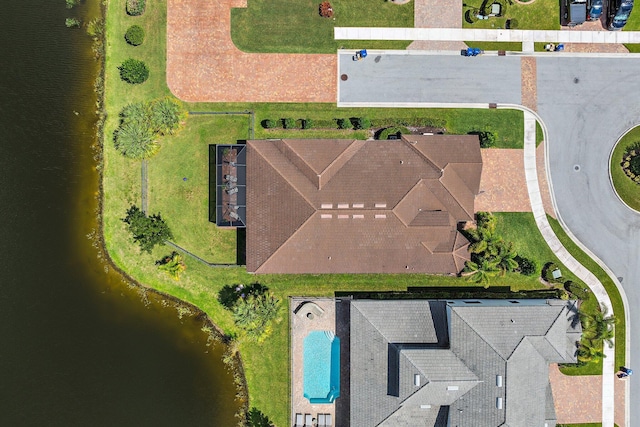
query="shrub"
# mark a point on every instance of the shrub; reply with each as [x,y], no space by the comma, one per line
[133,71]
[527,266]
[487,139]
[361,123]
[268,124]
[134,35]
[72,23]
[344,124]
[395,130]
[307,123]
[172,264]
[135,7]
[288,123]
[255,315]
[513,23]
[165,115]
[579,292]
[634,165]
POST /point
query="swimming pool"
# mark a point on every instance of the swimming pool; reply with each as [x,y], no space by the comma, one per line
[321,367]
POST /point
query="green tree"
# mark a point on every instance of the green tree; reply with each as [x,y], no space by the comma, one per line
[598,327]
[481,272]
[134,35]
[588,351]
[166,115]
[135,140]
[255,315]
[147,231]
[172,264]
[133,71]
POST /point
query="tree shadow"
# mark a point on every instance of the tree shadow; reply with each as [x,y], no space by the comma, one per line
[230,294]
[255,418]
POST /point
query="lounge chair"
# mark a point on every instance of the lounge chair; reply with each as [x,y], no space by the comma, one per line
[321,420]
[299,421]
[308,420]
[327,420]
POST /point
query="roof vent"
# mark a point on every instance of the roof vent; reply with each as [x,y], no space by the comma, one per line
[453,388]
[499,380]
[425,406]
[499,403]
[416,380]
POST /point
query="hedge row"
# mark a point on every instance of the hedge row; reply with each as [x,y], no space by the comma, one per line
[352,123]
[341,123]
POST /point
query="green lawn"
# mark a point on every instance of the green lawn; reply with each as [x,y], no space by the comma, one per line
[628,190]
[538,15]
[295,26]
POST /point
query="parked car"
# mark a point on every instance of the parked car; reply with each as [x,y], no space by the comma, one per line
[595,10]
[619,11]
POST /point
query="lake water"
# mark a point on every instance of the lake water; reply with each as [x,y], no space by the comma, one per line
[77,346]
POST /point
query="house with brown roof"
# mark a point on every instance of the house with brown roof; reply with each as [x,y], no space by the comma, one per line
[353,206]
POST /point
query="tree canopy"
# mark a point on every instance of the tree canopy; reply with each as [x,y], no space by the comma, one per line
[147,231]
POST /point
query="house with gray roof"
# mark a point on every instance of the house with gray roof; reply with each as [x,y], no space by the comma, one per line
[460,363]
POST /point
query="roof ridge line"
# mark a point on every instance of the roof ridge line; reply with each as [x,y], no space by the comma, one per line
[339,157]
[482,337]
[471,214]
[421,154]
[289,238]
[288,181]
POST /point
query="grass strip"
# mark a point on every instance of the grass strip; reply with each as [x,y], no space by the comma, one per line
[610,287]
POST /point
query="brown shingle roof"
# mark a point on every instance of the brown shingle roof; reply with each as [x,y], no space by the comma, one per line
[342,206]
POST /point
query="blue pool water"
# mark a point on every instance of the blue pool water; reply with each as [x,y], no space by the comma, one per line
[321,367]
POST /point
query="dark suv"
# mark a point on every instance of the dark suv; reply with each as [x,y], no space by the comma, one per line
[619,11]
[595,10]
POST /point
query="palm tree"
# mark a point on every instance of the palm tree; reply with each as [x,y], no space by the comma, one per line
[481,272]
[507,258]
[173,265]
[598,327]
[589,351]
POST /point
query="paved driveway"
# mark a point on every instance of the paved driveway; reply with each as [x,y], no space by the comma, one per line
[584,119]
[403,78]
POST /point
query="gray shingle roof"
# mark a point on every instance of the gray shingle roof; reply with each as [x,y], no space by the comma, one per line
[458,368]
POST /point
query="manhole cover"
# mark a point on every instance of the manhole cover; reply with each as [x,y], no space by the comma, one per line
[344,77]
[576,168]
[576,80]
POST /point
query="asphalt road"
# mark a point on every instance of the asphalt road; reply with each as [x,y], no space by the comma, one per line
[585,118]
[430,78]
[586,104]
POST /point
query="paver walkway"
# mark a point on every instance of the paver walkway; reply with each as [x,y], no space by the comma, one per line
[467,34]
[203,64]
[437,14]
[578,399]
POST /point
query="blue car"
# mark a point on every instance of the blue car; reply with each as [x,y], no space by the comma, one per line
[595,11]
[619,11]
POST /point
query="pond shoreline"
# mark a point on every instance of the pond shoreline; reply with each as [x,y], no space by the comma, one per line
[232,357]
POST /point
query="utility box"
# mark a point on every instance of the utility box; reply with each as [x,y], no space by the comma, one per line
[576,12]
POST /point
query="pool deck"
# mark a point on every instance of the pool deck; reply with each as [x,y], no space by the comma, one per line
[300,326]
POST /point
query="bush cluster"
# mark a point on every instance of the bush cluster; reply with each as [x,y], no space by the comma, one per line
[631,162]
[394,130]
[487,139]
[134,71]
[142,123]
[134,35]
[135,7]
[288,123]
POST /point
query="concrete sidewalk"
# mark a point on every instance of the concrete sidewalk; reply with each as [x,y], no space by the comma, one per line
[466,34]
[533,187]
